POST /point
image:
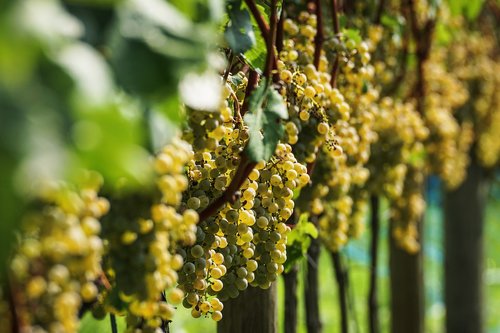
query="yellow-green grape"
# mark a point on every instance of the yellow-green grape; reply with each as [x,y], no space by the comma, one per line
[143,262]
[58,257]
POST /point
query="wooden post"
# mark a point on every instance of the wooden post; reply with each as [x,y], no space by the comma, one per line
[254,310]
[464,242]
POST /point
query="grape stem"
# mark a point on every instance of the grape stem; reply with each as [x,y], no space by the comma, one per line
[229,65]
[237,110]
[104,280]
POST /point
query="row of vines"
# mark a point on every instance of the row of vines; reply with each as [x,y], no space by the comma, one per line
[165,154]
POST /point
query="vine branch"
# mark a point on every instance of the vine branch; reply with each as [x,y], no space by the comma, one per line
[264,28]
[267,31]
[270,41]
[335,17]
[280,29]
[378,13]
[336,30]
[319,38]
[242,172]
[423,40]
[253,80]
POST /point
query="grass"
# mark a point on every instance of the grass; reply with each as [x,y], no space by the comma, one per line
[357,255]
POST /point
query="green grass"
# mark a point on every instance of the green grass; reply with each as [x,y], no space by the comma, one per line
[357,254]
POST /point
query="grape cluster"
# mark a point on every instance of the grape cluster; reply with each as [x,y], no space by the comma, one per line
[449,140]
[142,241]
[331,121]
[483,77]
[57,263]
[245,241]
[407,210]
[314,106]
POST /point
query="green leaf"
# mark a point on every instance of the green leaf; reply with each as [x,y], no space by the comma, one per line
[91,325]
[470,8]
[256,56]
[267,108]
[299,240]
[153,45]
[310,230]
[239,32]
[353,34]
[293,255]
[473,9]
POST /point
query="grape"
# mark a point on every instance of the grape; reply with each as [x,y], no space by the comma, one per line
[58,258]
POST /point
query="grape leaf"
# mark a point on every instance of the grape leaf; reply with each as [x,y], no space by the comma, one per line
[267,108]
[153,45]
[256,56]
[471,8]
[298,241]
[239,32]
[353,34]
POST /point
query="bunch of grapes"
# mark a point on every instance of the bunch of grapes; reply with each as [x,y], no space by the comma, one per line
[449,140]
[401,133]
[57,264]
[332,121]
[142,243]
[407,210]
[314,106]
[245,241]
[483,76]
